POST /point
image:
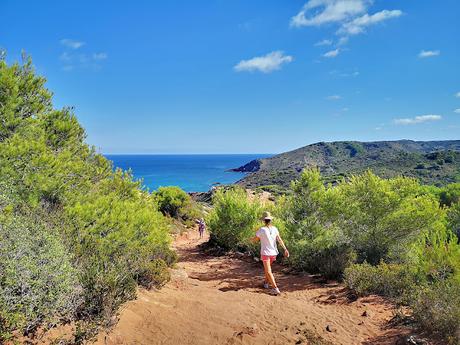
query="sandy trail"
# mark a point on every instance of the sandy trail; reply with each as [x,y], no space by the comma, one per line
[219,300]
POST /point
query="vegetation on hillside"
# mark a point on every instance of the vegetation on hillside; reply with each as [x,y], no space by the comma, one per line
[431,162]
[75,236]
[393,237]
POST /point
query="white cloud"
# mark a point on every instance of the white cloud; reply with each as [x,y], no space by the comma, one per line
[318,12]
[457,111]
[333,97]
[265,64]
[428,53]
[66,57]
[457,94]
[72,44]
[358,25]
[351,16]
[343,74]
[343,40]
[332,53]
[100,56]
[323,43]
[418,119]
[73,61]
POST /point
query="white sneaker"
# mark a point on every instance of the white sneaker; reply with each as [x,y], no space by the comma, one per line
[266,286]
[275,292]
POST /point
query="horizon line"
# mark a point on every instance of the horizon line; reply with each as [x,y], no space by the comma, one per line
[183,154]
[272,153]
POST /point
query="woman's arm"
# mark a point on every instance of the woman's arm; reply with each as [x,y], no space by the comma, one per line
[256,238]
[280,241]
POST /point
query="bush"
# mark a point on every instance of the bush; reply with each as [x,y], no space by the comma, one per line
[174,202]
[234,218]
[154,274]
[37,280]
[450,194]
[106,285]
[454,219]
[332,261]
[437,309]
[273,189]
[391,280]
[365,218]
[436,255]
[315,243]
[171,200]
[382,217]
[116,230]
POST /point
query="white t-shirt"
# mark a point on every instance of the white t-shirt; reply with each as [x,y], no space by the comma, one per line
[267,236]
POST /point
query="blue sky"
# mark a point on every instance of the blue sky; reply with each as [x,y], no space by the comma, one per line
[244,76]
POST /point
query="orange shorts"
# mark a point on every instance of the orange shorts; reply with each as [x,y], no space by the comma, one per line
[270,258]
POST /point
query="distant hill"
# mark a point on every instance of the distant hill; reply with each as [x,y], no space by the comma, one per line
[432,162]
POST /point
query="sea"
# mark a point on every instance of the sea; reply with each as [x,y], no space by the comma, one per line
[192,173]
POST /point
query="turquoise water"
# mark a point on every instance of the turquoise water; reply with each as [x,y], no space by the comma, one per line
[193,173]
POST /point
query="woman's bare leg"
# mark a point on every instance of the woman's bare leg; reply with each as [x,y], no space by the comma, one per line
[268,273]
[265,277]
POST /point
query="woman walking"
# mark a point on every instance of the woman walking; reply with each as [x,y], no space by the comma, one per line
[201,227]
[269,236]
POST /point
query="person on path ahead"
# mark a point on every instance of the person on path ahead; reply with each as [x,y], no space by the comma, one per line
[201,227]
[268,236]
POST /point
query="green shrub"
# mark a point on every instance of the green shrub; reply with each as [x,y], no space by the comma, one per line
[391,280]
[450,194]
[234,218]
[107,283]
[154,274]
[22,95]
[382,217]
[116,229]
[174,202]
[37,280]
[273,189]
[437,309]
[436,254]
[454,219]
[171,200]
[333,260]
[316,244]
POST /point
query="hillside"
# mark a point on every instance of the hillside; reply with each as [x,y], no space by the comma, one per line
[432,162]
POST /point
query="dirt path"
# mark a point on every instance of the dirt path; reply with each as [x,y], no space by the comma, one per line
[218,300]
